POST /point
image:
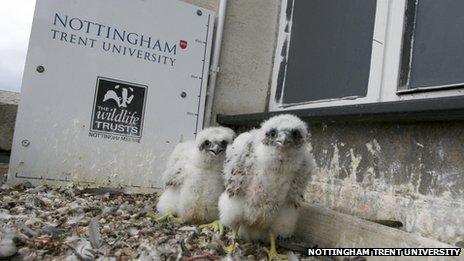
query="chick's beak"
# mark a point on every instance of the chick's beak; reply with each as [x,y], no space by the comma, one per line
[215,149]
[282,139]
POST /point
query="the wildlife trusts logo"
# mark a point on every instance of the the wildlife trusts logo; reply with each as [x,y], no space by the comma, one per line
[118,110]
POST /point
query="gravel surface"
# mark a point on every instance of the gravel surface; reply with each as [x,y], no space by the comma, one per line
[72,223]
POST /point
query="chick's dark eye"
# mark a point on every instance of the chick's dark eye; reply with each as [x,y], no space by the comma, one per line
[272,133]
[224,143]
[296,134]
[207,143]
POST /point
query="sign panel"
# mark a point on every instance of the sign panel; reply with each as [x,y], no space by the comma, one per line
[109,88]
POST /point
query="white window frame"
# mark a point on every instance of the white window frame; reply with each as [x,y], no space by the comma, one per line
[383,84]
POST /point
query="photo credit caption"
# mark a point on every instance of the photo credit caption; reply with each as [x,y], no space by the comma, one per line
[384,252]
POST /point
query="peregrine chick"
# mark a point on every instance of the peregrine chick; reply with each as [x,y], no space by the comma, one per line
[193,177]
[266,172]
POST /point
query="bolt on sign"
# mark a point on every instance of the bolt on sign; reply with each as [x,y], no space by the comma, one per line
[109,88]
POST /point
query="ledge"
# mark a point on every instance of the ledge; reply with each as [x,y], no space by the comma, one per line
[333,229]
[432,109]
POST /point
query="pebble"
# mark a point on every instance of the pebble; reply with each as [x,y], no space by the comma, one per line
[7,248]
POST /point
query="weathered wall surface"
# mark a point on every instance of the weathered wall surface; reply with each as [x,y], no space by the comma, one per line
[8,107]
[3,172]
[408,172]
[250,34]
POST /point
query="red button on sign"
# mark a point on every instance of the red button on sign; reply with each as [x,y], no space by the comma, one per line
[183,44]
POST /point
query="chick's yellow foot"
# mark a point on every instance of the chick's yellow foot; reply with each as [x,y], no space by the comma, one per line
[214,226]
[273,255]
[230,249]
[166,217]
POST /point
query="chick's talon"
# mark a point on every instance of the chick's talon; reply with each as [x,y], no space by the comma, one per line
[214,226]
[177,220]
[230,249]
[166,217]
[273,255]
[272,252]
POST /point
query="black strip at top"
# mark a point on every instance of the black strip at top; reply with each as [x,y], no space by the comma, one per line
[431,109]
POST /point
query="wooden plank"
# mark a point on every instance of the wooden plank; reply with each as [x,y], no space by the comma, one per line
[328,228]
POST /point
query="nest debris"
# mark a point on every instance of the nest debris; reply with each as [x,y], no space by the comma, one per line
[73,223]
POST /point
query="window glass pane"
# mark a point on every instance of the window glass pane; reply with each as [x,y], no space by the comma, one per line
[330,50]
[438,45]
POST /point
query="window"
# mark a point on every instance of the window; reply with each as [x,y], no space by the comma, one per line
[337,52]
[331,45]
[433,45]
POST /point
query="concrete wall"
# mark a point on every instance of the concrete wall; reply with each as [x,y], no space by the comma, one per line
[408,172]
[248,51]
[250,33]
[8,107]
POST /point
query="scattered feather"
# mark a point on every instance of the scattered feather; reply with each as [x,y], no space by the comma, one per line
[94,233]
[84,250]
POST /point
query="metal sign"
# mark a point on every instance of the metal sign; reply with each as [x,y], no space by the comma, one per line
[109,88]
